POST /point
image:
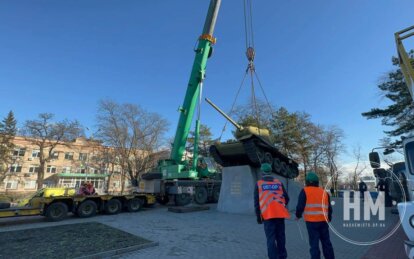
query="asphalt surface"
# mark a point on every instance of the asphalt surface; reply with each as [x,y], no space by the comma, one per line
[213,234]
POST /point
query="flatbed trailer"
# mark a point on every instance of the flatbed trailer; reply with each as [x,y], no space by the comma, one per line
[56,208]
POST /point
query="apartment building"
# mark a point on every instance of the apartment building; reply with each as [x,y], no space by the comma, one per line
[72,164]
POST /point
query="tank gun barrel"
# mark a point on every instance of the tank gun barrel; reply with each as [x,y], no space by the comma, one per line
[238,126]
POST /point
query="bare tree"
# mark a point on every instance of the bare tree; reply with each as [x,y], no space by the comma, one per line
[359,167]
[46,135]
[333,148]
[132,133]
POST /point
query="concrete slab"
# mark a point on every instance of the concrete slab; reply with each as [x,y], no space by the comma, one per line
[237,187]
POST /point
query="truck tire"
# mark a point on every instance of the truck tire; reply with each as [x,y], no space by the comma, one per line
[134,205]
[163,199]
[87,209]
[113,206]
[216,194]
[4,205]
[56,211]
[200,195]
[182,199]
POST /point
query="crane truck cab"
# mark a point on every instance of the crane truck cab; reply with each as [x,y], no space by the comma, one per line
[404,173]
[406,209]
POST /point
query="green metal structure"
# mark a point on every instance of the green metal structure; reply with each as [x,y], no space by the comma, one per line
[176,167]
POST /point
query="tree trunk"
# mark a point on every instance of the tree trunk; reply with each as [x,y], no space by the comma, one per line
[40,176]
[122,181]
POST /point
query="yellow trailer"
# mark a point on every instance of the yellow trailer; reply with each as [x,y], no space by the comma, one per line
[56,203]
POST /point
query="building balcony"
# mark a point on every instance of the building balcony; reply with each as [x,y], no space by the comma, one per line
[71,175]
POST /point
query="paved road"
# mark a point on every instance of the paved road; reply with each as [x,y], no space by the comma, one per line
[208,234]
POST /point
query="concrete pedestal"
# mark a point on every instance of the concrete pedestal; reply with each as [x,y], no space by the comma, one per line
[237,190]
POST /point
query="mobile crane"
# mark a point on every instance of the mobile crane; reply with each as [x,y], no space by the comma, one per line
[178,177]
[406,177]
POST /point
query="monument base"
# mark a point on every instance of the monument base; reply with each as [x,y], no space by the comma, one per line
[237,189]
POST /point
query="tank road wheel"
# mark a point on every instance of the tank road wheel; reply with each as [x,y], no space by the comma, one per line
[182,199]
[56,211]
[284,169]
[201,195]
[277,165]
[268,158]
[293,172]
[113,207]
[134,205]
[216,194]
[87,209]
[163,199]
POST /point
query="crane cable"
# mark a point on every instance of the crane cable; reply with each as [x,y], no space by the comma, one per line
[250,54]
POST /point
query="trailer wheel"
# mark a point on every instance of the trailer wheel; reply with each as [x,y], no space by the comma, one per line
[201,195]
[134,205]
[182,199]
[87,209]
[113,206]
[56,211]
[4,205]
[216,194]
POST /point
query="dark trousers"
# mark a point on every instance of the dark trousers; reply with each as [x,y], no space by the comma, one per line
[362,195]
[319,231]
[276,240]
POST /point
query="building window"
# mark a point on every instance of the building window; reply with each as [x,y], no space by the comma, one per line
[15,168]
[82,170]
[36,153]
[116,184]
[69,155]
[83,156]
[34,169]
[30,184]
[66,169]
[11,185]
[19,152]
[54,155]
[51,169]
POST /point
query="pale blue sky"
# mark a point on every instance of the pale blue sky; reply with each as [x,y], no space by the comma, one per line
[323,57]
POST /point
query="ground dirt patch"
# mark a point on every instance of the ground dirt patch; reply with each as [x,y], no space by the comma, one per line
[89,240]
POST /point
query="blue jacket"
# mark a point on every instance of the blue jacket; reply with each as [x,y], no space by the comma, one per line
[256,195]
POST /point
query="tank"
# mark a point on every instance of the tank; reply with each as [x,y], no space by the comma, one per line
[251,147]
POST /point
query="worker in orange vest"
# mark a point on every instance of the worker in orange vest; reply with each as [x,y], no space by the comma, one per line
[314,203]
[270,201]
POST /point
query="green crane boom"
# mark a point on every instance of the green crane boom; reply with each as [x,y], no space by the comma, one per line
[175,167]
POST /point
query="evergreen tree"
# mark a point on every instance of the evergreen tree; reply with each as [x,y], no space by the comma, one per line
[7,133]
[400,113]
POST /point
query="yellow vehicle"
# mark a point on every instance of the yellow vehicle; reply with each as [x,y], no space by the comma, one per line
[49,192]
[56,203]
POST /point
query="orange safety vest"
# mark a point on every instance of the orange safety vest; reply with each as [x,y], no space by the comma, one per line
[317,204]
[272,202]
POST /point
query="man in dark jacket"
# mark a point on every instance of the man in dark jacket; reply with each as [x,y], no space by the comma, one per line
[314,203]
[362,189]
[270,201]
